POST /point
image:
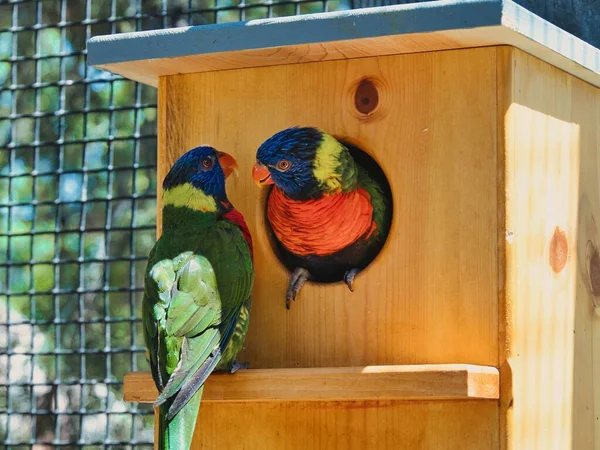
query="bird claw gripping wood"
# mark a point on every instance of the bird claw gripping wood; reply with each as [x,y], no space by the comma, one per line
[297,279]
[349,278]
[235,366]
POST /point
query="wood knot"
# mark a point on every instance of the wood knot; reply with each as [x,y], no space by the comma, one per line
[366,97]
[559,250]
[594,271]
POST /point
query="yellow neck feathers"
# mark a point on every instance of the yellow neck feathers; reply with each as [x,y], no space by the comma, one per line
[327,162]
[188,196]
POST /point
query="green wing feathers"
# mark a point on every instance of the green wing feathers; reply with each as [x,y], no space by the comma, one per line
[193,300]
[352,172]
[188,312]
[381,202]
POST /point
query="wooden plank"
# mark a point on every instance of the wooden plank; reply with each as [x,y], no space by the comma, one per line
[450,381]
[397,29]
[505,87]
[431,296]
[436,425]
[164,116]
[585,101]
[550,122]
[590,291]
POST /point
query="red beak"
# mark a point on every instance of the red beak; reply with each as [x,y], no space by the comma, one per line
[228,163]
[261,174]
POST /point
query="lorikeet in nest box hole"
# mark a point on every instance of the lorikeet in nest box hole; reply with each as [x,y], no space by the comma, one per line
[330,216]
[197,290]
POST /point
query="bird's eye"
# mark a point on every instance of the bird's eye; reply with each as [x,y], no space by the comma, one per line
[207,163]
[283,165]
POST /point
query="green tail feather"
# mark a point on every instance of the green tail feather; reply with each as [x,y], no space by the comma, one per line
[178,433]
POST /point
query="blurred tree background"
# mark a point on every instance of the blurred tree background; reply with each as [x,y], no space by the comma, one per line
[77,215]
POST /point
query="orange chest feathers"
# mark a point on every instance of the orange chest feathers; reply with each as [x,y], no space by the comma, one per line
[323,226]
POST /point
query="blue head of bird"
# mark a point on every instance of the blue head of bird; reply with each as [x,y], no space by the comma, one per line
[197,179]
[288,159]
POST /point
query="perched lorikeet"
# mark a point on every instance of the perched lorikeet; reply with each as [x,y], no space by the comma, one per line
[197,289]
[329,215]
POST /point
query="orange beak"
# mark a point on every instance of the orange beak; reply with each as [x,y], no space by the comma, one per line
[228,163]
[261,174]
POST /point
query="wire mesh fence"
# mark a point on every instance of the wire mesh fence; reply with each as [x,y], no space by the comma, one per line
[77,215]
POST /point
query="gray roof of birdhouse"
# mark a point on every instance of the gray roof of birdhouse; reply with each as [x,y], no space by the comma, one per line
[487,22]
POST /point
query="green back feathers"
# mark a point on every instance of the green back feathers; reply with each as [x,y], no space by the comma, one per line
[380,201]
[221,256]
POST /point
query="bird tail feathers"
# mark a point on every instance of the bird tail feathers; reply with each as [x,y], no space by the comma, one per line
[177,433]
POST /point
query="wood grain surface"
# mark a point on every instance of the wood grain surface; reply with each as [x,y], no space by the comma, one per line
[442,381]
[549,333]
[431,295]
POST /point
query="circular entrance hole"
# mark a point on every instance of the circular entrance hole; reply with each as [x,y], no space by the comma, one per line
[360,253]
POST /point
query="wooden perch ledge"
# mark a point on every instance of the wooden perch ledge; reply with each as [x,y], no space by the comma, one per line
[429,382]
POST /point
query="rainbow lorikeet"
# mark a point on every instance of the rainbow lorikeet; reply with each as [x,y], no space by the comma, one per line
[329,214]
[197,289]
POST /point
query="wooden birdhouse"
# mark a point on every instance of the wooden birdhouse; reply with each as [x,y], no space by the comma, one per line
[475,326]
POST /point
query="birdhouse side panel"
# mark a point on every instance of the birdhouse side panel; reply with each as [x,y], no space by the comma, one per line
[550,333]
